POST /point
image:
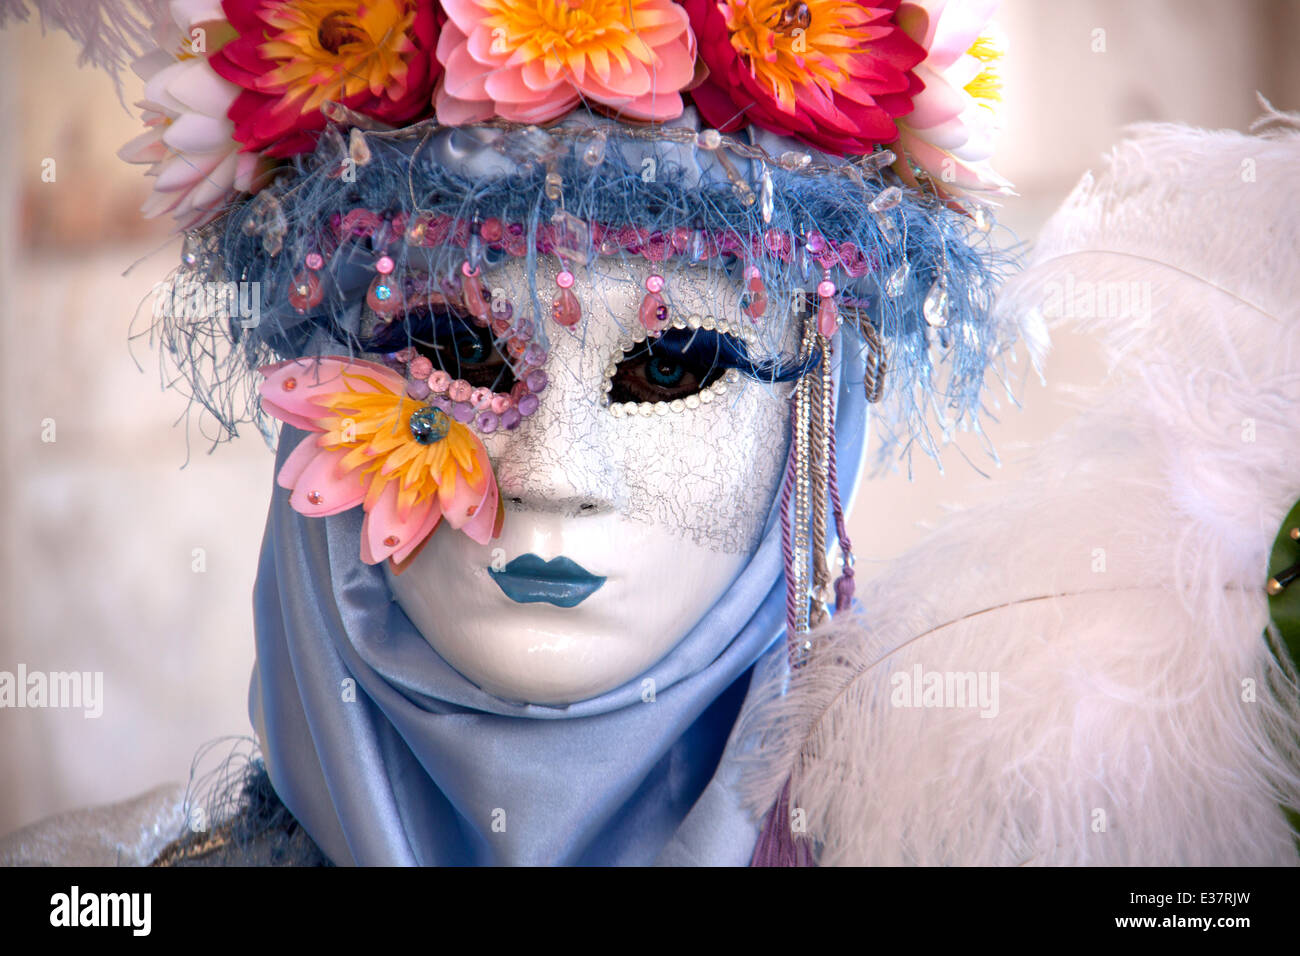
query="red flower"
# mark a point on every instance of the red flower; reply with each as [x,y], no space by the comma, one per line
[832,73]
[376,58]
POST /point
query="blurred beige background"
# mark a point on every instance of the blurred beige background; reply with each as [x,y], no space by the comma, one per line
[101,526]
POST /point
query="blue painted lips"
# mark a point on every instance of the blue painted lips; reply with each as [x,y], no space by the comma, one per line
[529,580]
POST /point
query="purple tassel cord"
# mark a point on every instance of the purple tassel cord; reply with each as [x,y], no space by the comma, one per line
[844,585]
[777,844]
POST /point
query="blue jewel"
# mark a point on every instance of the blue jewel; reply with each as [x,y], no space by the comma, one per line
[429,425]
[383,293]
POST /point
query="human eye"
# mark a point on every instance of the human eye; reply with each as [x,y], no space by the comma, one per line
[442,331]
[662,370]
[685,367]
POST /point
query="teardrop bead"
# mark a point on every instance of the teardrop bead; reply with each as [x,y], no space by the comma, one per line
[565,309]
[474,299]
[935,306]
[654,313]
[384,296]
[755,305]
[306,292]
[897,283]
[827,317]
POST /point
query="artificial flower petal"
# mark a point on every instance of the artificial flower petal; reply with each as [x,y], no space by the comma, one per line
[365,452]
[533,62]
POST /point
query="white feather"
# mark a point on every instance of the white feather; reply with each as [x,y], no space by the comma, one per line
[111,33]
[1117,590]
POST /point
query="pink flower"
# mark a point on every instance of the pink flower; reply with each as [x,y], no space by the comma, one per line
[533,60]
[406,463]
[188,141]
[950,132]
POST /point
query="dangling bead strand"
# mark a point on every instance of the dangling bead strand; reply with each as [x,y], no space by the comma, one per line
[475,301]
[828,317]
[384,296]
[565,309]
[654,311]
[755,293]
[307,292]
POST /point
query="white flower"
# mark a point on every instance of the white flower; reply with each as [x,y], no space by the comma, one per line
[951,130]
[189,143]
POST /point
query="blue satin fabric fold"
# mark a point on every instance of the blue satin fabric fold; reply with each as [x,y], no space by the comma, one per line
[388,756]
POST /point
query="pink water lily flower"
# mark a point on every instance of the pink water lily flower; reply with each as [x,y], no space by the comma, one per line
[951,130]
[408,464]
[533,60]
[189,142]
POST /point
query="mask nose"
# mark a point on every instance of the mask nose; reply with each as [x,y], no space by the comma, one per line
[563,459]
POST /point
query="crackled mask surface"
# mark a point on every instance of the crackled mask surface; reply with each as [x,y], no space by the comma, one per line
[665,505]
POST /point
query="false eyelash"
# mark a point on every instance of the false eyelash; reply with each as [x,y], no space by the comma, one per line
[423,325]
[710,349]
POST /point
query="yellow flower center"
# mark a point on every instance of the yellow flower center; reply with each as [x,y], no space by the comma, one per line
[986,87]
[570,34]
[790,44]
[334,49]
[374,429]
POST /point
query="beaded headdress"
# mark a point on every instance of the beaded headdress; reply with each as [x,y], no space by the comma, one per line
[348,177]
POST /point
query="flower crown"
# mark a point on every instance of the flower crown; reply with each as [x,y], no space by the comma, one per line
[238,87]
[349,176]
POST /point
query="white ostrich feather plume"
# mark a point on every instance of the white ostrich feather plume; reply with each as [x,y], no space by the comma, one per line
[111,33]
[1116,592]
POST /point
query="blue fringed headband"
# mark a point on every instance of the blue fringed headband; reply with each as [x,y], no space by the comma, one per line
[376,224]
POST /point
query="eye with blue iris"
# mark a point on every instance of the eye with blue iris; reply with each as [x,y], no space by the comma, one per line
[670,367]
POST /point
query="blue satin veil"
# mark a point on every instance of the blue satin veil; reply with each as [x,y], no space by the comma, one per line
[388,756]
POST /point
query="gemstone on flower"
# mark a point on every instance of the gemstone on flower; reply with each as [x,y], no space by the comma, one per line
[429,425]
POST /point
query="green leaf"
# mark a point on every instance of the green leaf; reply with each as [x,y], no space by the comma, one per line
[1284,608]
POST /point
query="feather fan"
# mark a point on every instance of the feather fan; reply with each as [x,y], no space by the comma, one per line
[1110,605]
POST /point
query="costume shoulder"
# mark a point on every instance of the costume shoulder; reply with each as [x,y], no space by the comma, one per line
[152,830]
[1081,669]
[130,833]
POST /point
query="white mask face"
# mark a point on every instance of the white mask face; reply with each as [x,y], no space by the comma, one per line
[620,532]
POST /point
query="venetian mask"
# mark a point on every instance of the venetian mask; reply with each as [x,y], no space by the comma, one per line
[622,525]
